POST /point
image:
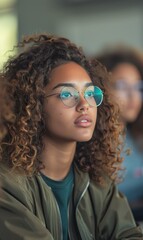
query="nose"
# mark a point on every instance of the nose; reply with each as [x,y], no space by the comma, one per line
[82,105]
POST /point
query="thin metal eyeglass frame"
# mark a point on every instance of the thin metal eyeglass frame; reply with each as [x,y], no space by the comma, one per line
[50,95]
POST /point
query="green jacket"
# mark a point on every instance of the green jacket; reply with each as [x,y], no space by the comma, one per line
[28,210]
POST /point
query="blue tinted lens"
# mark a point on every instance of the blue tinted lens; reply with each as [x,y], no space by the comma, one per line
[65,95]
[89,94]
[69,96]
[93,95]
[98,95]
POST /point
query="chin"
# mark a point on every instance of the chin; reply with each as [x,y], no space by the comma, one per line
[82,135]
[84,138]
[131,118]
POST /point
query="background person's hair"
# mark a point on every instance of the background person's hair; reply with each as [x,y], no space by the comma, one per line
[124,54]
[28,74]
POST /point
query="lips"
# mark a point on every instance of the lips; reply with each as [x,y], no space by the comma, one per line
[83,121]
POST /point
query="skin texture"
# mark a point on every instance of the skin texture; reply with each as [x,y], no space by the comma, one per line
[63,129]
[130,100]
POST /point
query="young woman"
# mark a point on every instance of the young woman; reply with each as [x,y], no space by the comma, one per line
[127,76]
[60,158]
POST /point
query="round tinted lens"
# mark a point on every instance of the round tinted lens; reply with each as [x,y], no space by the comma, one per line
[98,95]
[69,96]
[93,96]
[89,96]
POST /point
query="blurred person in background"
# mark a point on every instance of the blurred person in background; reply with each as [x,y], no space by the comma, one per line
[126,67]
[60,158]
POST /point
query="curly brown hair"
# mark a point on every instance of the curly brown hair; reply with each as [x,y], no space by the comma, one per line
[6,108]
[126,54]
[28,74]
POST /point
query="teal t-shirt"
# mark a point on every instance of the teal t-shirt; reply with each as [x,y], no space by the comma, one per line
[62,191]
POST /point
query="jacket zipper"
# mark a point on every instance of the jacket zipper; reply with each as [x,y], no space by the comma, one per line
[91,237]
[61,228]
[69,223]
[82,194]
[68,213]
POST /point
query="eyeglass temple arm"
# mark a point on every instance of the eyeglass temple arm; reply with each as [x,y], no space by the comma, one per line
[51,95]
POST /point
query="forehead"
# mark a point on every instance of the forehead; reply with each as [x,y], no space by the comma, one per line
[69,73]
[127,72]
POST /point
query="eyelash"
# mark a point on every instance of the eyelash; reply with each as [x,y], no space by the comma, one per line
[58,95]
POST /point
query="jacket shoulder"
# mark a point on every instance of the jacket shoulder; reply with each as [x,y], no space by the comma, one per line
[15,185]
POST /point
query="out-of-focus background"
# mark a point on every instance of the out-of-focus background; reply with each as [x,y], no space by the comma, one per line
[93,24]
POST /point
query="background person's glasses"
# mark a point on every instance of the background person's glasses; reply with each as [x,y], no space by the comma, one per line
[71,97]
[125,87]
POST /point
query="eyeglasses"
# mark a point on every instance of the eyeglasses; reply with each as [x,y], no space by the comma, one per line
[71,97]
[123,86]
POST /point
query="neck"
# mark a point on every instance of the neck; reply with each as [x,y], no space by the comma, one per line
[57,158]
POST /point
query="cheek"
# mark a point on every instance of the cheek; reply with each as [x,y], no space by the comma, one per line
[121,98]
[138,99]
[95,114]
[57,121]
[121,95]
[54,111]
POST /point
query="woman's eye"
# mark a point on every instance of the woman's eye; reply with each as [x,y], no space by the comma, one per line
[65,95]
[89,94]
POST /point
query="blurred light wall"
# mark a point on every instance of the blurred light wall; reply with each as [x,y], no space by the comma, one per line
[94,24]
[8,29]
[91,24]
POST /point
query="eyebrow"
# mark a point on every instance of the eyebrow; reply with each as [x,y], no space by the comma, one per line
[70,85]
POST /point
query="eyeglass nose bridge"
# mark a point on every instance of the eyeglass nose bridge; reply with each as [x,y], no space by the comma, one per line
[80,97]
